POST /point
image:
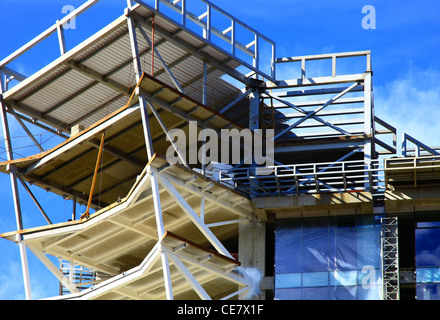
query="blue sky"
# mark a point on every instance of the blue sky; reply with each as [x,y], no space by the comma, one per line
[406,64]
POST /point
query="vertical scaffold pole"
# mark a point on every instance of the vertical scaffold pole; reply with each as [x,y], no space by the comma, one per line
[369,150]
[15,194]
[138,73]
[149,145]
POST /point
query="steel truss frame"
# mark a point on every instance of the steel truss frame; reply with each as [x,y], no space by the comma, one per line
[168,255]
[161,251]
[230,35]
[354,83]
[331,177]
[164,251]
[164,181]
[311,178]
[325,85]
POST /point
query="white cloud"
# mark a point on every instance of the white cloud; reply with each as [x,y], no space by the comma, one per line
[11,280]
[43,283]
[411,103]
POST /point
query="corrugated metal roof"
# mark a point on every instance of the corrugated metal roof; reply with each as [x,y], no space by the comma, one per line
[63,95]
[68,168]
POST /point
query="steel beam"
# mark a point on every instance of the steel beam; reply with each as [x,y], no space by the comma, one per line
[155,51]
[189,277]
[139,73]
[98,77]
[314,113]
[34,199]
[61,38]
[15,193]
[11,111]
[236,100]
[47,32]
[165,130]
[195,51]
[238,278]
[167,275]
[53,269]
[193,216]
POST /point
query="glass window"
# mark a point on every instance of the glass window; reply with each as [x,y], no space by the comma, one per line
[428,261]
[428,275]
[428,247]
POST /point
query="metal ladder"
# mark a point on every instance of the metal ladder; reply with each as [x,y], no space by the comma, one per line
[390,258]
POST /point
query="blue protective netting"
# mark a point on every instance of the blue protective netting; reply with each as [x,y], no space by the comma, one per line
[328,258]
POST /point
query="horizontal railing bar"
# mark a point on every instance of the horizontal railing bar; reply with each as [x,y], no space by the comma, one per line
[349,162]
[312,103]
[313,92]
[210,29]
[47,33]
[223,35]
[345,122]
[335,112]
[340,177]
[323,56]
[385,124]
[246,26]
[316,81]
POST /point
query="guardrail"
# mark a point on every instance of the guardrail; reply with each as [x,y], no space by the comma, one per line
[419,147]
[412,172]
[335,177]
[330,56]
[210,27]
[347,176]
[57,27]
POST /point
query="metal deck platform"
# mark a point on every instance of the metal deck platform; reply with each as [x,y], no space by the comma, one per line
[159,230]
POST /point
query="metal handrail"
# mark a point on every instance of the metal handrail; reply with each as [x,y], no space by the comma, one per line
[344,176]
[57,27]
[328,56]
[229,35]
[347,176]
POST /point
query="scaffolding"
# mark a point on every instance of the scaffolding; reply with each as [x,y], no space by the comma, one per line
[390,252]
[77,275]
[191,229]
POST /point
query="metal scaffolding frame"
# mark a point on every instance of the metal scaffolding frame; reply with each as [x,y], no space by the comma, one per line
[390,258]
[135,24]
[153,104]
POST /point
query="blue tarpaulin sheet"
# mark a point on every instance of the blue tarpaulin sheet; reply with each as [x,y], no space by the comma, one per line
[427,243]
[328,258]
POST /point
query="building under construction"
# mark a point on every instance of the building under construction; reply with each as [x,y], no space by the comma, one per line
[338,213]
